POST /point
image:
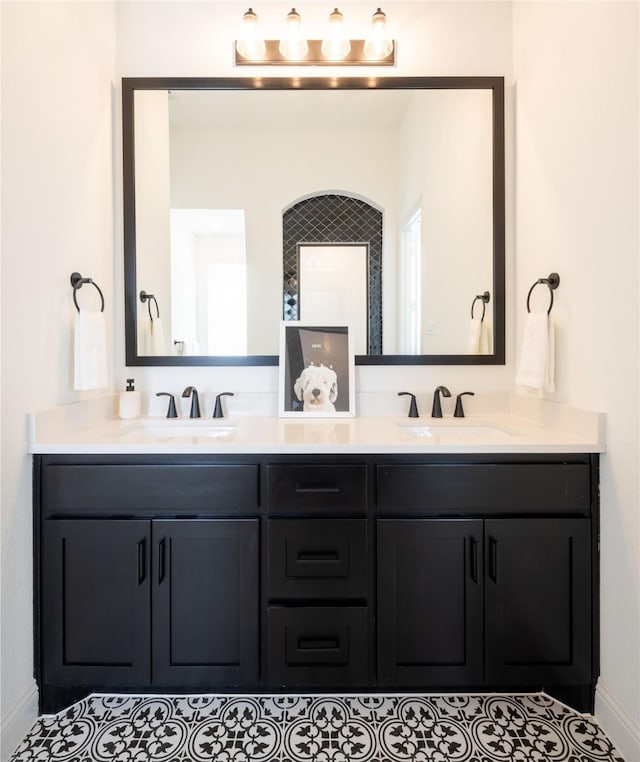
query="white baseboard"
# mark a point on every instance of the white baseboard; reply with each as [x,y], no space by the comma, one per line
[17,723]
[623,731]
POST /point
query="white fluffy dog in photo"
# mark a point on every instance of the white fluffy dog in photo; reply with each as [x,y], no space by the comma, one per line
[317,388]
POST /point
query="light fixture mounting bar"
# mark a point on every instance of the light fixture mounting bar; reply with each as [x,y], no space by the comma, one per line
[314,57]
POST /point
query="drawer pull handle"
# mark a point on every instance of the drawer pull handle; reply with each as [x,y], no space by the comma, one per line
[318,644]
[142,561]
[473,551]
[317,489]
[314,556]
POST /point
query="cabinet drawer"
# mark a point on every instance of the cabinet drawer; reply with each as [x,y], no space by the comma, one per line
[317,558]
[150,489]
[475,489]
[317,647]
[317,488]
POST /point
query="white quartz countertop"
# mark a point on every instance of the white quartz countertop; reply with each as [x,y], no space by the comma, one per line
[527,427]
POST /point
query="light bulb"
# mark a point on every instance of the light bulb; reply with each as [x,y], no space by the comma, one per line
[377,46]
[336,46]
[293,46]
[251,45]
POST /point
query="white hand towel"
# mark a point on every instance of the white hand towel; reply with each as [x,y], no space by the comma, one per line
[475,332]
[90,351]
[479,341]
[485,339]
[537,357]
[158,346]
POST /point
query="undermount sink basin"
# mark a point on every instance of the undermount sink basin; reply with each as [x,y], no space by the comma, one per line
[170,429]
[454,432]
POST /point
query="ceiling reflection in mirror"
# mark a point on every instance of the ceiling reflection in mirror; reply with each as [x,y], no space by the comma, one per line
[211,179]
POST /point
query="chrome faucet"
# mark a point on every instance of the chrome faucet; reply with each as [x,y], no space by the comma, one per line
[436,410]
[192,392]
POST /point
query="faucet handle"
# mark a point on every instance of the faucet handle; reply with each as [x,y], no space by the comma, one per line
[217,410]
[413,407]
[171,412]
[459,411]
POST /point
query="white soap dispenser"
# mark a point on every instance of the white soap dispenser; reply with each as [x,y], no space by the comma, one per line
[129,401]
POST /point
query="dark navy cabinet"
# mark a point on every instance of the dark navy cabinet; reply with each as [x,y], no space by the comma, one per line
[173,573]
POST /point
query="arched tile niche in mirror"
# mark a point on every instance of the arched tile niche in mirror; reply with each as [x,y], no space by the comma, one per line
[210,165]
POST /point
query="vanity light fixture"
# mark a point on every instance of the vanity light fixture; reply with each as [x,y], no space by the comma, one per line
[336,46]
[378,46]
[251,46]
[293,46]
[295,50]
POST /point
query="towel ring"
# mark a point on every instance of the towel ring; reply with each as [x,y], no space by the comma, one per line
[553,281]
[485,299]
[145,297]
[76,281]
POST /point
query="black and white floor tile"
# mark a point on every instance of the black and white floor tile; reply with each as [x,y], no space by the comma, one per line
[306,728]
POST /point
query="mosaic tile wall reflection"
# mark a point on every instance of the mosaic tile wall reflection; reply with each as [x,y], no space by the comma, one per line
[334,218]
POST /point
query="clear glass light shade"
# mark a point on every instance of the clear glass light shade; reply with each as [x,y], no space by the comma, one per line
[378,46]
[336,45]
[251,45]
[293,46]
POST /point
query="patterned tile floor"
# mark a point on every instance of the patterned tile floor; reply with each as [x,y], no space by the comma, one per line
[304,728]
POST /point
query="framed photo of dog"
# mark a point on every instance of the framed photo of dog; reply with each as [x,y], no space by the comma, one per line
[316,371]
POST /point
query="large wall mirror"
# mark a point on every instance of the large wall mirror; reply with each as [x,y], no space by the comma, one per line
[379,202]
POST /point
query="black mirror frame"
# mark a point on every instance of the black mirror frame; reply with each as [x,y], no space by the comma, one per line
[131,84]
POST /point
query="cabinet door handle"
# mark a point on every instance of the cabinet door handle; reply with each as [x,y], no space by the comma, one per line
[473,559]
[323,489]
[493,559]
[142,560]
[162,560]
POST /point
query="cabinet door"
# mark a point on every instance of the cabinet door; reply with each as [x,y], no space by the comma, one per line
[205,603]
[95,602]
[429,602]
[538,601]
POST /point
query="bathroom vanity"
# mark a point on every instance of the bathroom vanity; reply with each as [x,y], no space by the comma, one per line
[349,568]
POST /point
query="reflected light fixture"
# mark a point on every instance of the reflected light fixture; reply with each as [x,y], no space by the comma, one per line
[336,46]
[295,50]
[251,45]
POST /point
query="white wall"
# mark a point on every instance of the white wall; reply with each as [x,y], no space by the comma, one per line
[58,62]
[576,74]
[577,189]
[577,129]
